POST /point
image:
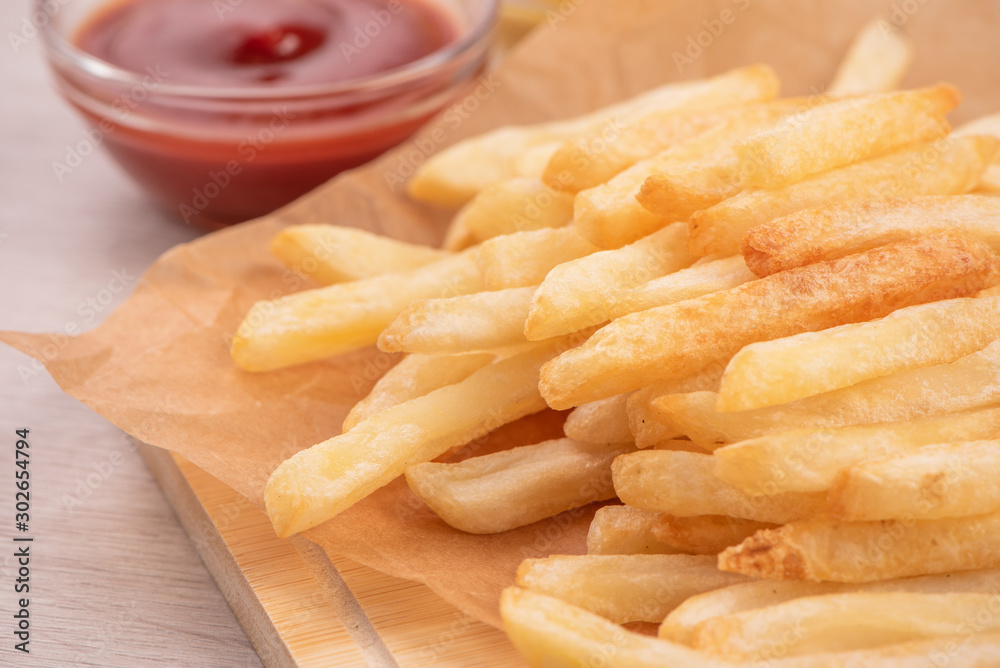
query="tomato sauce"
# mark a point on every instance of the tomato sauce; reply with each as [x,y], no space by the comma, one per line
[215,159]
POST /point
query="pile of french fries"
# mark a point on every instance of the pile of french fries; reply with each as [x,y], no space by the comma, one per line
[777,323]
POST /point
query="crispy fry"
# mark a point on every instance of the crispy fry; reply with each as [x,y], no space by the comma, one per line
[835,230]
[676,192]
[414,376]
[821,549]
[595,156]
[705,534]
[467,323]
[842,132]
[680,624]
[624,530]
[574,295]
[624,587]
[843,622]
[644,423]
[604,421]
[549,632]
[679,339]
[969,382]
[807,460]
[314,324]
[683,484]
[516,205]
[524,258]
[952,165]
[702,278]
[948,480]
[453,176]
[511,488]
[334,254]
[320,482]
[610,215]
[783,370]
[877,60]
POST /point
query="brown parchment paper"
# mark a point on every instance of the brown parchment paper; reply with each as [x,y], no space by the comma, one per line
[159,366]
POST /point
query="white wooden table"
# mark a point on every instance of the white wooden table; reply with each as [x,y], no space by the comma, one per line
[114,580]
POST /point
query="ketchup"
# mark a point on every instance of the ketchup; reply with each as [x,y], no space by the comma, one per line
[215,161]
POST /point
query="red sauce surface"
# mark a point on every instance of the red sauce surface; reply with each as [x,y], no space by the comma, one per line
[217,167]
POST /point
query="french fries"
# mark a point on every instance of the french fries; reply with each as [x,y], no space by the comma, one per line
[643,419]
[834,230]
[332,254]
[414,376]
[604,421]
[624,530]
[949,166]
[783,370]
[682,484]
[842,132]
[467,323]
[524,258]
[935,481]
[808,460]
[969,382]
[680,339]
[454,176]
[821,549]
[682,621]
[516,205]
[877,60]
[575,294]
[624,587]
[705,534]
[322,481]
[313,324]
[511,488]
[842,622]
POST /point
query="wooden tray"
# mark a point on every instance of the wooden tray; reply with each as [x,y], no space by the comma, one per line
[302,609]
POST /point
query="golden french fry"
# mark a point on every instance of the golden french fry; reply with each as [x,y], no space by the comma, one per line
[952,165]
[680,624]
[551,633]
[843,132]
[877,60]
[644,423]
[968,382]
[320,482]
[610,215]
[843,622]
[705,534]
[314,324]
[783,370]
[679,339]
[511,488]
[624,530]
[524,258]
[414,376]
[822,549]
[701,278]
[595,156]
[515,205]
[453,176]
[990,292]
[574,295]
[832,231]
[683,484]
[808,460]
[624,587]
[676,192]
[604,421]
[935,481]
[467,323]
[333,254]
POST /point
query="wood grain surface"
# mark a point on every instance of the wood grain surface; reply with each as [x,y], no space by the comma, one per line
[114,579]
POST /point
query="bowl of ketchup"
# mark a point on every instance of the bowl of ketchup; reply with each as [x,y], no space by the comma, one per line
[225,110]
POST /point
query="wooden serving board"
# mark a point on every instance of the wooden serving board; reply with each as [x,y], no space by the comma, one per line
[302,608]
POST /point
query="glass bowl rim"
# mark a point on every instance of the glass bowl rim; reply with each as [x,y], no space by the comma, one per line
[57,45]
